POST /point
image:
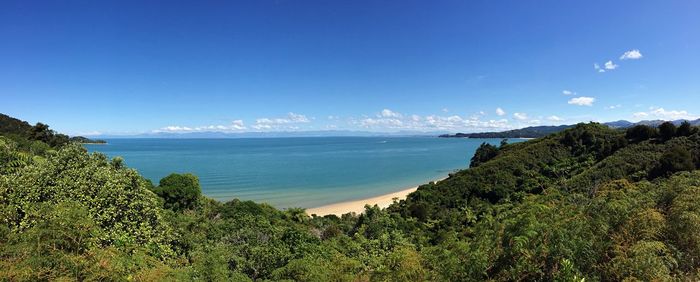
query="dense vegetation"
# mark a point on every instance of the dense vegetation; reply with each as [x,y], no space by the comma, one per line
[587,203]
[85,140]
[527,132]
[26,135]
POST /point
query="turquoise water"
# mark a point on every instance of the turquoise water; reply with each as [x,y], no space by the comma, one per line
[298,172]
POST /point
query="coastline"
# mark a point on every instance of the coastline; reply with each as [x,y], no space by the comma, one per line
[358,206]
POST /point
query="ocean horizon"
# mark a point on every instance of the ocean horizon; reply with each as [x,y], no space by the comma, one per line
[297,171]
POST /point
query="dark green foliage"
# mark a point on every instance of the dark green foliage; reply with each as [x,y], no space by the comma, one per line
[529,167]
[41,132]
[641,133]
[667,130]
[84,140]
[179,191]
[595,140]
[685,129]
[484,153]
[675,159]
[527,132]
[10,125]
[21,131]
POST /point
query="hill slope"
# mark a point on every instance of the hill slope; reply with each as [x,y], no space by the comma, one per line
[527,132]
[541,131]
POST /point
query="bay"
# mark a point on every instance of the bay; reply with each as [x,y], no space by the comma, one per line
[301,171]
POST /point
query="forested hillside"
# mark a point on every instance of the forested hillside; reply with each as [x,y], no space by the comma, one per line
[589,203]
[26,135]
[527,132]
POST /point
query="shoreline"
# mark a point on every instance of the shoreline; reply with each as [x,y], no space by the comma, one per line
[358,206]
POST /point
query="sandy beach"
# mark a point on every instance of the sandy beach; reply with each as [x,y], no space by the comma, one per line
[358,206]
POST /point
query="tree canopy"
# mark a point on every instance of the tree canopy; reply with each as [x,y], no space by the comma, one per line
[179,191]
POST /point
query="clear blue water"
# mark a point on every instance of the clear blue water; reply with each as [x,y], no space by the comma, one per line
[298,172]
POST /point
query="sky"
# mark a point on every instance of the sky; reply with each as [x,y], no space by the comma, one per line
[132,67]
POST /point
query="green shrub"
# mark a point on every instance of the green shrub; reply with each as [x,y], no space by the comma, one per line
[179,191]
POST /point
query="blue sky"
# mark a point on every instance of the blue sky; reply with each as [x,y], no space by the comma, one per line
[123,67]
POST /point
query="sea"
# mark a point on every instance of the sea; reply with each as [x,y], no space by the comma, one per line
[301,172]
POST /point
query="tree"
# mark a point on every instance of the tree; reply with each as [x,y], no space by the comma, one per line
[179,191]
[667,130]
[677,158]
[641,133]
[685,129]
[41,132]
[484,153]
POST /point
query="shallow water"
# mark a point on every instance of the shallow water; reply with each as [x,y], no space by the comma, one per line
[298,172]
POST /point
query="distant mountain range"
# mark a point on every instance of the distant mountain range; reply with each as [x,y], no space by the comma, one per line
[540,131]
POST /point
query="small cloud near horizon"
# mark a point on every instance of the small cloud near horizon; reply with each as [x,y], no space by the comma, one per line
[663,114]
[520,116]
[582,101]
[554,118]
[389,120]
[500,112]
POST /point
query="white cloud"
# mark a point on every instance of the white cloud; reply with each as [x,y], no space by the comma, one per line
[456,122]
[297,118]
[290,118]
[234,126]
[598,68]
[175,128]
[429,123]
[613,107]
[500,112]
[288,122]
[609,65]
[520,116]
[262,126]
[554,118]
[445,110]
[640,115]
[237,124]
[386,113]
[384,122]
[568,92]
[631,55]
[661,113]
[582,101]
